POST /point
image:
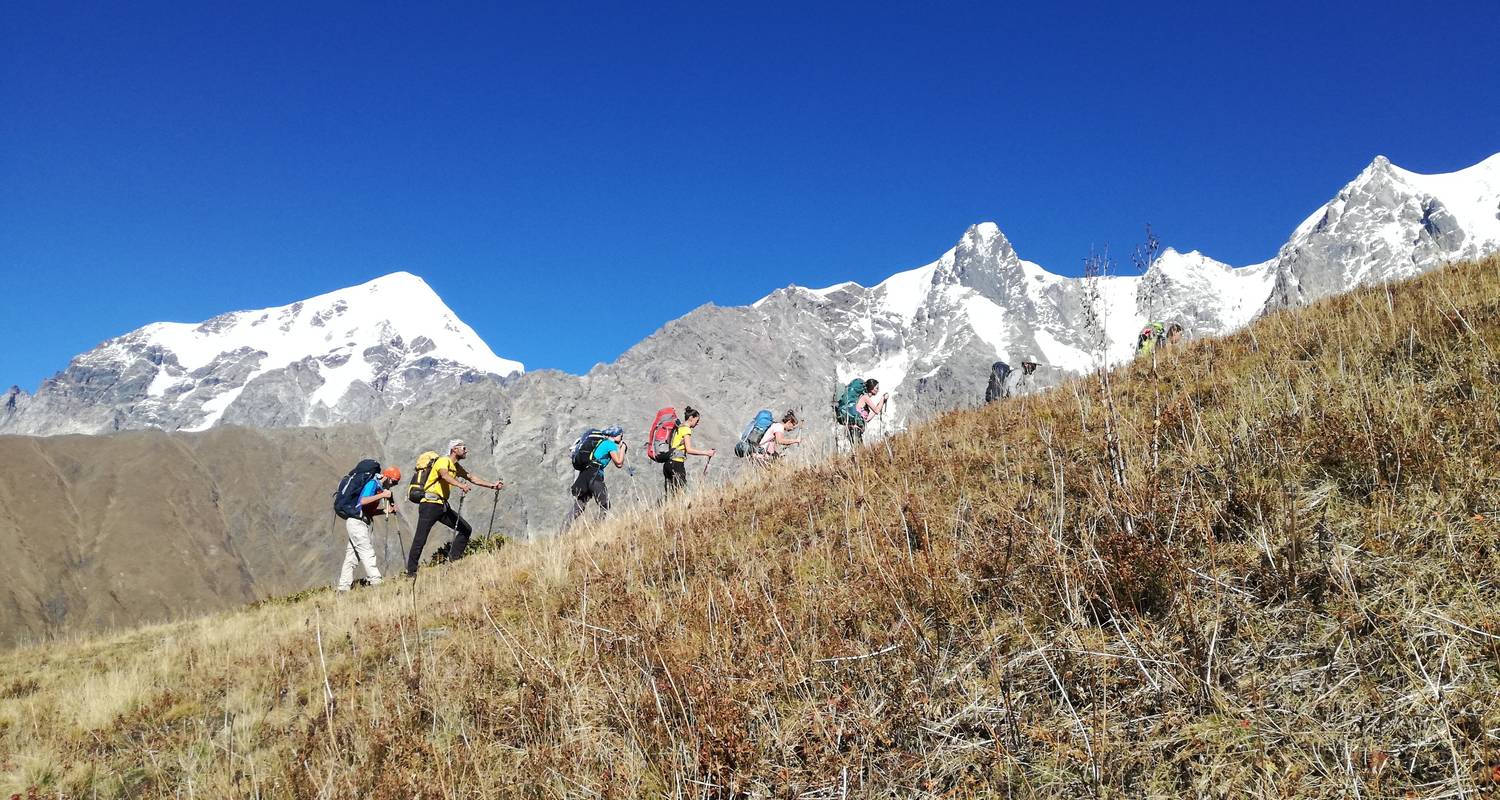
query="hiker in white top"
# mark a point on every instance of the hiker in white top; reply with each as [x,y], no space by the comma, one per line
[777,437]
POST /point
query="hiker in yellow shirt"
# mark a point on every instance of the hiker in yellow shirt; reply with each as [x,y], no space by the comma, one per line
[446,473]
[674,469]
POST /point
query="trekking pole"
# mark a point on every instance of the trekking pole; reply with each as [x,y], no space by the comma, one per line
[490,529]
[400,537]
[706,462]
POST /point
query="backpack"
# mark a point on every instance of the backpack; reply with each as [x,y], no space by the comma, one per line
[582,453]
[659,440]
[417,489]
[754,432]
[1151,335]
[346,497]
[996,388]
[846,405]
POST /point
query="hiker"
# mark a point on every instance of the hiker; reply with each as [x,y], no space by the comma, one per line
[1023,383]
[674,469]
[1174,335]
[445,474]
[868,408]
[1145,343]
[998,387]
[1156,335]
[361,548]
[777,437]
[610,449]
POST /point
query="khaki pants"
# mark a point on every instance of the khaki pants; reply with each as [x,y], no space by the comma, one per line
[360,549]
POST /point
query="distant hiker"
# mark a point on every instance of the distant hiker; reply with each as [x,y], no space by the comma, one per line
[1023,383]
[1174,335]
[778,437]
[1156,335]
[997,388]
[442,476]
[674,469]
[594,451]
[1150,336]
[868,408]
[361,548]
[854,407]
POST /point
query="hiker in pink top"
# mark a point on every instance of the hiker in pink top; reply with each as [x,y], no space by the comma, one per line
[776,437]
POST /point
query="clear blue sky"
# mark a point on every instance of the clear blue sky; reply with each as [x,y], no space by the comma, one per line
[171,162]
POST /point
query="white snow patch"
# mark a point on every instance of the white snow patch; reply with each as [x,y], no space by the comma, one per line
[905,291]
[987,318]
[213,409]
[1060,354]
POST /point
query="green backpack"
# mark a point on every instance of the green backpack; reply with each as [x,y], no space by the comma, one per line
[846,405]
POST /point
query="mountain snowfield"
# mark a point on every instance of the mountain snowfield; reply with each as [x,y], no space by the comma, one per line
[928,334]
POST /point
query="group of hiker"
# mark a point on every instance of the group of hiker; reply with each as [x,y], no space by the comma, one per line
[367,492]
[1157,335]
[669,442]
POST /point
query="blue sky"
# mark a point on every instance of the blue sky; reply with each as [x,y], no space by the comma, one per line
[171,162]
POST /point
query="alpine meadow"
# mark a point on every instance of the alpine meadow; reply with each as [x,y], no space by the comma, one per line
[1257,565]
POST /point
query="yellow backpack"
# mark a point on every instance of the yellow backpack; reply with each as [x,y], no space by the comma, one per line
[417,489]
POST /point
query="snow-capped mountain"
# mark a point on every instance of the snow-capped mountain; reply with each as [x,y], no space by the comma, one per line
[1389,223]
[929,334]
[342,356]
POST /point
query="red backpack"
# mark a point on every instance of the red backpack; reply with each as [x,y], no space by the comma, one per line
[659,445]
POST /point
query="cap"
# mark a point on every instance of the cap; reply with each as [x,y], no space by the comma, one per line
[456,443]
[614,430]
[394,473]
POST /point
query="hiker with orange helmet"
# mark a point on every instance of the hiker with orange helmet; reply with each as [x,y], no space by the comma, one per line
[361,549]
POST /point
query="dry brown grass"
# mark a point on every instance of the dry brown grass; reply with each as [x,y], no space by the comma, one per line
[1266,566]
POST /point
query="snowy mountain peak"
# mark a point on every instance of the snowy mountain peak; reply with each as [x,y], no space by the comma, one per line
[341,356]
[1390,223]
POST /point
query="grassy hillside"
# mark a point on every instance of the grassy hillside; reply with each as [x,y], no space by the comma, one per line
[1263,565]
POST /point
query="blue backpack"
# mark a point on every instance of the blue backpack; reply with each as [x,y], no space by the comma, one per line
[750,439]
[346,497]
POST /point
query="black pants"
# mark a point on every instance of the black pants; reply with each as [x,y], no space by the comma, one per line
[675,474]
[856,434]
[588,484]
[427,514]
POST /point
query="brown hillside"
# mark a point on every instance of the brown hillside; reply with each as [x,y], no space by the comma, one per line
[1261,566]
[114,531]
